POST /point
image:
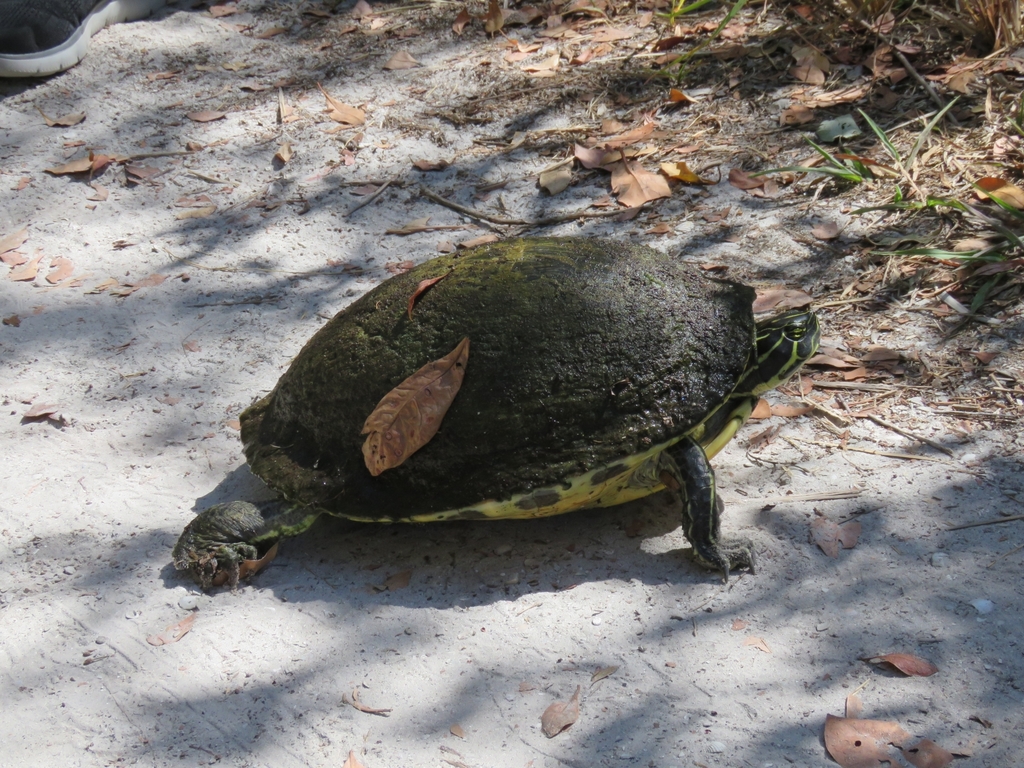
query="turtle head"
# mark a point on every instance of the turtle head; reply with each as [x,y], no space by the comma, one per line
[784,343]
[218,539]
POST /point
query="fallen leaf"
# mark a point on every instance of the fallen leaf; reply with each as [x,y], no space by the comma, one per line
[879,354]
[862,743]
[664,228]
[99,192]
[284,153]
[912,666]
[219,11]
[81,165]
[927,754]
[271,32]
[352,761]
[12,320]
[174,632]
[431,165]
[681,172]
[64,122]
[759,643]
[26,272]
[411,227]
[560,715]
[478,241]
[355,702]
[456,730]
[611,34]
[808,73]
[827,230]
[423,287]
[154,76]
[13,240]
[402,60]
[738,624]
[192,346]
[791,411]
[853,706]
[399,267]
[362,10]
[545,67]
[762,410]
[830,537]
[42,411]
[494,19]
[842,127]
[602,673]
[634,186]
[461,21]
[796,115]
[780,298]
[555,181]
[985,357]
[409,415]
[236,425]
[205,116]
[342,112]
[1002,190]
[592,157]
[60,270]
[675,96]
[743,180]
[196,213]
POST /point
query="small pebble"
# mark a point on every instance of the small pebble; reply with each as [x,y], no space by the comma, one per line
[983,606]
[940,559]
[188,602]
[69,570]
[596,621]
[19,550]
[100,640]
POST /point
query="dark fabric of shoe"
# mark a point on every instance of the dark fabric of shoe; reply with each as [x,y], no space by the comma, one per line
[30,26]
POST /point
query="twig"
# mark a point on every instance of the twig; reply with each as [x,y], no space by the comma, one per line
[920,438]
[890,455]
[213,179]
[1005,554]
[996,521]
[371,198]
[165,153]
[491,219]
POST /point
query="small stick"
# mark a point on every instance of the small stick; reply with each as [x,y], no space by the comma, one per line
[213,179]
[1005,554]
[996,521]
[371,198]
[920,438]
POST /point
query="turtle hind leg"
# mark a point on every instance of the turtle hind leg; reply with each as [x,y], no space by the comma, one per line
[221,537]
[684,468]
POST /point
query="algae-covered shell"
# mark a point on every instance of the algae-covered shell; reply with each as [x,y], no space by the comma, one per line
[583,352]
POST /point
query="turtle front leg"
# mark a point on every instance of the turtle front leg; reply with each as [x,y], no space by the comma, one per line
[684,468]
[222,536]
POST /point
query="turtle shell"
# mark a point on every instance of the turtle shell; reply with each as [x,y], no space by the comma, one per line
[582,353]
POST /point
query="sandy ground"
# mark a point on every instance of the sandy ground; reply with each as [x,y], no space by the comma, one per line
[498,620]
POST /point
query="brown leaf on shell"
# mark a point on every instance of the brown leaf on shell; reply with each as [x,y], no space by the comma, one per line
[737,625]
[780,298]
[555,180]
[60,270]
[634,186]
[409,415]
[362,10]
[611,34]
[431,165]
[196,213]
[402,60]
[220,11]
[174,632]
[423,287]
[399,267]
[808,73]
[81,165]
[560,715]
[908,664]
[205,116]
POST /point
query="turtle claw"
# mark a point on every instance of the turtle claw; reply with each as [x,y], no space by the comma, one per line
[726,557]
[216,542]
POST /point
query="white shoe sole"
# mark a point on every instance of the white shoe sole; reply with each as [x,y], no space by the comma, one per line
[74,49]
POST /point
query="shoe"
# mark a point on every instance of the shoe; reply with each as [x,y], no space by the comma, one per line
[41,37]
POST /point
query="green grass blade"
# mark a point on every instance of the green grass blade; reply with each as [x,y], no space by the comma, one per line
[926,132]
[979,298]
[893,152]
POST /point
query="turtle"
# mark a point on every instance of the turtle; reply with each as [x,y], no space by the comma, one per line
[598,372]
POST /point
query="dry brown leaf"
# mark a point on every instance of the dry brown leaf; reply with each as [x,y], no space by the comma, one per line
[738,624]
[560,715]
[402,60]
[602,673]
[174,632]
[759,643]
[461,21]
[409,415]
[543,68]
[880,354]
[556,180]
[65,121]
[681,172]
[927,754]
[591,158]
[362,10]
[827,230]
[60,270]
[399,267]
[13,240]
[808,73]
[780,298]
[12,320]
[634,186]
[423,287]
[99,192]
[219,11]
[431,165]
[271,32]
[762,410]
[205,116]
[791,411]
[456,730]
[43,411]
[663,228]
[192,346]
[908,664]
[1002,190]
[411,227]
[27,271]
[743,180]
[796,115]
[675,96]
[830,537]
[81,165]
[862,743]
[477,241]
[398,580]
[196,213]
[853,706]
[340,112]
[154,76]
[355,702]
[494,19]
[352,761]
[284,153]
[611,34]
